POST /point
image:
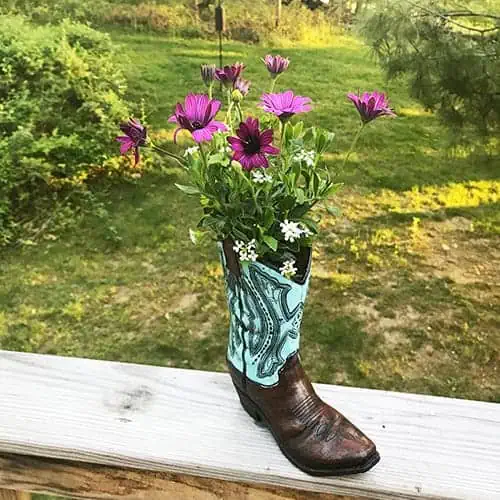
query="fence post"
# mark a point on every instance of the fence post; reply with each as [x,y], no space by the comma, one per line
[278,12]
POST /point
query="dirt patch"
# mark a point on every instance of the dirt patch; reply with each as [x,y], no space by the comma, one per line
[454,253]
[392,328]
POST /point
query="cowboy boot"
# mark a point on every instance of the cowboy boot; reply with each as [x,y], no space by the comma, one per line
[264,363]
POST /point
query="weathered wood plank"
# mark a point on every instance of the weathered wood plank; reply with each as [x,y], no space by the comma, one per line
[79,480]
[189,422]
[14,495]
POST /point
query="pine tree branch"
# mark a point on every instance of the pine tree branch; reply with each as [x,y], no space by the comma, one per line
[447,18]
[471,14]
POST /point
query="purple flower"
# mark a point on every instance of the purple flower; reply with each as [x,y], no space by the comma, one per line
[229,74]
[207,74]
[252,145]
[135,136]
[242,85]
[371,105]
[276,65]
[197,116]
[285,105]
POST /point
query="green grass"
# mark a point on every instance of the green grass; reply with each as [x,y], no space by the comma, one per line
[404,294]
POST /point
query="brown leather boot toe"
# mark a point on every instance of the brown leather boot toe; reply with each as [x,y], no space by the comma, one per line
[311,434]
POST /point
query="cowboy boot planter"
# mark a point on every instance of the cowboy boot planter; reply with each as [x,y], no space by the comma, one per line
[263,360]
[257,202]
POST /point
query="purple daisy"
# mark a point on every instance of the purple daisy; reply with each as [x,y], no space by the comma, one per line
[371,105]
[229,74]
[242,85]
[135,136]
[285,105]
[252,145]
[197,116]
[276,64]
[207,74]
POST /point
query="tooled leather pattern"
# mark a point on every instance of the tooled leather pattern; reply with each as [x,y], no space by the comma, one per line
[259,310]
[274,324]
[311,413]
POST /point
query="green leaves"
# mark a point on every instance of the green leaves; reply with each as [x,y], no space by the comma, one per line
[237,206]
[188,189]
[322,139]
[271,242]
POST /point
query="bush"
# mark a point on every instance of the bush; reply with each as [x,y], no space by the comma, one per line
[246,20]
[61,96]
[55,11]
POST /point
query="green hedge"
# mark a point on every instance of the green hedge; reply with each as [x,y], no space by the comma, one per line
[61,97]
[246,20]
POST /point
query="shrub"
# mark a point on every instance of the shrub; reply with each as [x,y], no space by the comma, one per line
[60,99]
[55,11]
[246,20]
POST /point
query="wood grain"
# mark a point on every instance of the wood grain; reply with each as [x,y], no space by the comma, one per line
[14,495]
[79,480]
[190,423]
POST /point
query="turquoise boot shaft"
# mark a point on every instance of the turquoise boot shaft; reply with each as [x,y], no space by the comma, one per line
[265,316]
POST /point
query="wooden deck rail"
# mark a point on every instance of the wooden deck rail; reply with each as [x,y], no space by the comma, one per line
[98,429]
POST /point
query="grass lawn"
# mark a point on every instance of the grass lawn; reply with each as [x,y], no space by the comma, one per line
[405,292]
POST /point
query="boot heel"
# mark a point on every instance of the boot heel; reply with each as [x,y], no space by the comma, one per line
[250,407]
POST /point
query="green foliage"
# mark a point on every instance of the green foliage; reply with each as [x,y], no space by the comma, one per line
[60,99]
[236,206]
[245,20]
[451,55]
[55,11]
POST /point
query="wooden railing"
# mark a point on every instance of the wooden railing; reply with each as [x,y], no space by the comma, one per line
[103,430]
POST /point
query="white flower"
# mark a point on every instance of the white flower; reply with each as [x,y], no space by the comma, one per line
[191,151]
[307,157]
[238,246]
[291,230]
[246,251]
[260,177]
[306,231]
[288,268]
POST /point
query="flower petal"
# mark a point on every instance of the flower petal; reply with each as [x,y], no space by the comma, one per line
[219,125]
[236,143]
[127,144]
[266,137]
[270,150]
[202,134]
[177,130]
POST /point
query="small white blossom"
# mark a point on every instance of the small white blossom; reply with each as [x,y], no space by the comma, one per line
[307,157]
[290,230]
[288,268]
[238,246]
[191,151]
[306,231]
[246,251]
[260,177]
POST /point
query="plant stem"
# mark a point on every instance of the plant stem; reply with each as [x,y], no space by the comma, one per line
[353,144]
[210,87]
[273,83]
[178,159]
[240,113]
[229,108]
[282,134]
[203,155]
